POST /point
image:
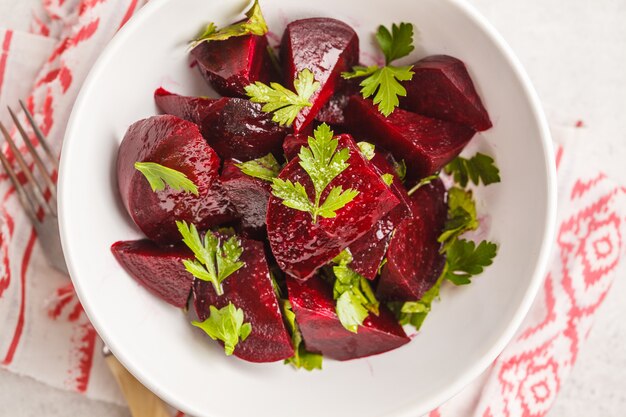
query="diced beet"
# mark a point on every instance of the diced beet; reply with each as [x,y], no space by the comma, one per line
[249,195]
[301,247]
[193,109]
[176,144]
[323,333]
[426,144]
[292,144]
[369,250]
[159,269]
[333,111]
[250,288]
[442,88]
[413,259]
[232,64]
[327,47]
[237,128]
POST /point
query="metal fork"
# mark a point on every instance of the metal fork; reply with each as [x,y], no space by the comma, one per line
[39,200]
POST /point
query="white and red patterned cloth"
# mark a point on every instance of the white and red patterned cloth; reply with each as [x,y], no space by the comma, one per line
[45,334]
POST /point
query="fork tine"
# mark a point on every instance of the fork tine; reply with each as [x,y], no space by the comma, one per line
[26,202]
[38,162]
[38,191]
[40,136]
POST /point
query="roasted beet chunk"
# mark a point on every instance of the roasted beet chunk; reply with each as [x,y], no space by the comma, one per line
[301,246]
[248,195]
[413,259]
[323,333]
[426,144]
[442,88]
[193,109]
[325,46]
[237,128]
[250,288]
[176,144]
[232,64]
[369,250]
[159,269]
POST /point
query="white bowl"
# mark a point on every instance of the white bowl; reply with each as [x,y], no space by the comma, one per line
[463,334]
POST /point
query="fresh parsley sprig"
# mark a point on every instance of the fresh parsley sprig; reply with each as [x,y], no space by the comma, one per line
[465,259]
[265,168]
[301,358]
[461,216]
[284,103]
[253,25]
[159,175]
[226,324]
[214,261]
[384,83]
[478,168]
[323,163]
[354,295]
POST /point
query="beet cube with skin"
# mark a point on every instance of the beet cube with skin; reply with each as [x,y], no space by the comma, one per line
[301,246]
[250,288]
[193,109]
[442,88]
[327,47]
[323,333]
[426,144]
[159,269]
[176,144]
[413,259]
[248,195]
[232,64]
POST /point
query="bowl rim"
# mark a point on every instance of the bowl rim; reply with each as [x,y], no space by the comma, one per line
[411,409]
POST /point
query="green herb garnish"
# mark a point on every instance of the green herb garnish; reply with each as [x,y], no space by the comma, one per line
[215,261]
[159,175]
[367,149]
[354,295]
[478,168]
[323,162]
[253,25]
[384,83]
[400,168]
[423,182]
[301,357]
[226,324]
[465,259]
[461,216]
[387,179]
[265,168]
[284,103]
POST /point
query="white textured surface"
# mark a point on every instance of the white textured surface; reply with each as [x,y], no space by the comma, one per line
[575,53]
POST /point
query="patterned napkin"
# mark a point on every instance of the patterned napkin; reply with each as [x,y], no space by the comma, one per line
[45,334]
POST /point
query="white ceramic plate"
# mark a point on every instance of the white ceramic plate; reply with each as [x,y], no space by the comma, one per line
[466,330]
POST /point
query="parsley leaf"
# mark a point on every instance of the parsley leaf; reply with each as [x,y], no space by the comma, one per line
[367,149]
[226,324]
[323,162]
[301,357]
[354,295]
[461,216]
[465,259]
[387,178]
[214,262]
[284,103]
[159,175]
[395,44]
[265,168]
[384,83]
[400,168]
[478,168]
[253,25]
